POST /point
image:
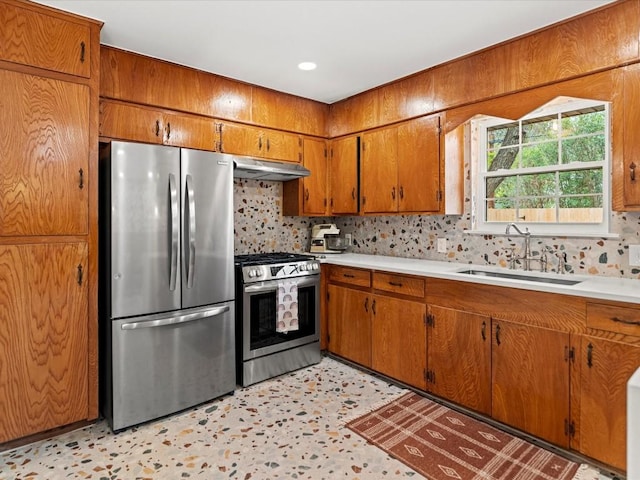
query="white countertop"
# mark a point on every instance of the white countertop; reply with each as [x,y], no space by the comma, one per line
[591,286]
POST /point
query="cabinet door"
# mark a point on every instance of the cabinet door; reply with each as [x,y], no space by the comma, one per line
[604,370]
[189,131]
[43,334]
[129,122]
[314,187]
[379,174]
[44,155]
[350,324]
[240,140]
[419,165]
[631,147]
[44,40]
[399,339]
[276,145]
[530,374]
[343,173]
[465,337]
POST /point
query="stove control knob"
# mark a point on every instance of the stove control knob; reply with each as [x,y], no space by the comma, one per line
[315,266]
[302,267]
[254,272]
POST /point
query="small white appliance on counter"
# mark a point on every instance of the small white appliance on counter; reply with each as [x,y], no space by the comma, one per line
[633,426]
[325,238]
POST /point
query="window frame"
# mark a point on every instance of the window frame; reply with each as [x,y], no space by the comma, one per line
[479,128]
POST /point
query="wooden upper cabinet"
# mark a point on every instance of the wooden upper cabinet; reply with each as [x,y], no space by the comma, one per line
[530,373]
[406,98]
[379,171]
[44,337]
[44,156]
[343,175]
[308,196]
[354,114]
[603,369]
[467,338]
[419,188]
[131,122]
[630,171]
[44,40]
[260,142]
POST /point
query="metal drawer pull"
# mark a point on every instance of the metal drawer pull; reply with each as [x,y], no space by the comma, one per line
[483,332]
[157,128]
[82,49]
[373,307]
[498,334]
[590,355]
[81,184]
[366,304]
[348,275]
[395,284]
[632,171]
[626,322]
[189,317]
[80,275]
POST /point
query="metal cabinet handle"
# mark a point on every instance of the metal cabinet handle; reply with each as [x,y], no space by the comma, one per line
[393,193]
[353,193]
[483,332]
[366,304]
[81,183]
[190,243]
[157,128]
[625,322]
[401,192]
[498,334]
[268,145]
[632,171]
[82,51]
[168,130]
[395,284]
[174,223]
[590,355]
[348,275]
[373,307]
[80,274]
[306,194]
[259,143]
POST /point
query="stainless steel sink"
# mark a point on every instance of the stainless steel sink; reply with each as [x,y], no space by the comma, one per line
[516,276]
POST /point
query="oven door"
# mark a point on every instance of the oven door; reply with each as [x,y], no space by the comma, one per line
[259,315]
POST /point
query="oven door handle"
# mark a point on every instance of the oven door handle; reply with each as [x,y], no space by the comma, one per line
[270,286]
[189,317]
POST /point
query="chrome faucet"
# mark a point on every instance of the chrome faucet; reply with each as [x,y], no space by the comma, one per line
[526,256]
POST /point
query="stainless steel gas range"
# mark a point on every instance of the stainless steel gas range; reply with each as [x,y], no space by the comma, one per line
[277,314]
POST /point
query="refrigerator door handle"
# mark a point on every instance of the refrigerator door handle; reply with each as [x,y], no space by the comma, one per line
[175,231]
[189,317]
[190,230]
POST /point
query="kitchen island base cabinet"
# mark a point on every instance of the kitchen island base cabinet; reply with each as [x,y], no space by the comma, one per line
[43,337]
[604,368]
[530,377]
[350,324]
[399,339]
[460,357]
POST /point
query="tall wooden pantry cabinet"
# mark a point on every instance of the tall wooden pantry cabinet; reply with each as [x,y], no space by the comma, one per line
[49,72]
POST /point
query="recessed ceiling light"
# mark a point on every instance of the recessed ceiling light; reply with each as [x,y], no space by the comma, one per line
[307,66]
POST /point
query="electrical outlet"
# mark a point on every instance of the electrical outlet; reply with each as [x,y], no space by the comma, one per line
[442,245]
[347,237]
[634,255]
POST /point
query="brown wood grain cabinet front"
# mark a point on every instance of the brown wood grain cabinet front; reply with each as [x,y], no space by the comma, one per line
[48,220]
[308,196]
[349,318]
[343,176]
[630,171]
[259,142]
[125,121]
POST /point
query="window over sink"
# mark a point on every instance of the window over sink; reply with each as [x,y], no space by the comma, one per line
[548,170]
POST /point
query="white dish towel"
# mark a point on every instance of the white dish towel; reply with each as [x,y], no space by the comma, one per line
[287,320]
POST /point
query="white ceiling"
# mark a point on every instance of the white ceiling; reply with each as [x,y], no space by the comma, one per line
[357,44]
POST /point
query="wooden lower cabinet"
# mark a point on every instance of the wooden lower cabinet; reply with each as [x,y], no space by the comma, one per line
[350,324]
[399,339]
[459,357]
[530,379]
[604,368]
[43,337]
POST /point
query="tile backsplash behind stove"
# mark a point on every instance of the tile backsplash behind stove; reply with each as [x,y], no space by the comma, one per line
[261,227]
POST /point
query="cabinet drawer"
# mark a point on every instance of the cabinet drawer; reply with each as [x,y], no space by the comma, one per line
[402,284]
[44,40]
[352,276]
[614,318]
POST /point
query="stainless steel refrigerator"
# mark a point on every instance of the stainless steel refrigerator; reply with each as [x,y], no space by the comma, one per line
[166,280]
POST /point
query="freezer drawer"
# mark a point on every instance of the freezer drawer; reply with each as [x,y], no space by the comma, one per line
[163,364]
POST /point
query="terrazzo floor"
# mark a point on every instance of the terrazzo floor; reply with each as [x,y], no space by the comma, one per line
[288,427]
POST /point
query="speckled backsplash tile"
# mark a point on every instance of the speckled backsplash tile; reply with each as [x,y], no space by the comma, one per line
[261,227]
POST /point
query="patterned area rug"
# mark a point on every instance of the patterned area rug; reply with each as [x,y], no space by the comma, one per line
[441,443]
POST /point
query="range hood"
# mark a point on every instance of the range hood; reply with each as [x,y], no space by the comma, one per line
[245,167]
